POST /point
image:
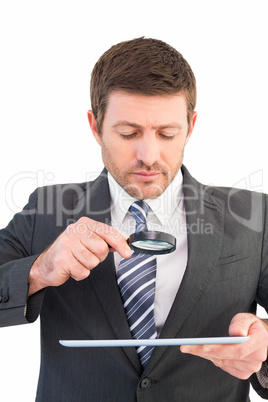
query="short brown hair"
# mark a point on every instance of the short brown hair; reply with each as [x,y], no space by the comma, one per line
[141,66]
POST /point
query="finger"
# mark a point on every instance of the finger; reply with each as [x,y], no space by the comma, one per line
[257,332]
[228,358]
[115,240]
[93,245]
[205,351]
[230,351]
[239,354]
[241,324]
[84,256]
[212,352]
[79,272]
[72,267]
[111,236]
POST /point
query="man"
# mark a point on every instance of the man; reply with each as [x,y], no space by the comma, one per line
[56,257]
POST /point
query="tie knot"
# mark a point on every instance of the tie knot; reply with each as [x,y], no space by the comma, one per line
[140,210]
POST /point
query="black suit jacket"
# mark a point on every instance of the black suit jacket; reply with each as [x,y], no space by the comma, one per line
[227,273]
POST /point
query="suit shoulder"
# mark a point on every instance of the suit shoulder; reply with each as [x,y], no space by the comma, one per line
[238,200]
[67,194]
[67,189]
[245,207]
[239,194]
[221,192]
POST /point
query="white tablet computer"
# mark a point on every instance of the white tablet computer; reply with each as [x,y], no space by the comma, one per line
[153,342]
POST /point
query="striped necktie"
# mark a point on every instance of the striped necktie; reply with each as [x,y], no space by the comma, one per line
[136,280]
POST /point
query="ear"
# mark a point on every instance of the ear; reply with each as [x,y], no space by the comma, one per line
[191,128]
[93,126]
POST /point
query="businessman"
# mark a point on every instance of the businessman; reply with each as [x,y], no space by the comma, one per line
[65,256]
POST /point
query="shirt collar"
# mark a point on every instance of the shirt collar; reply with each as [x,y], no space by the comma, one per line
[163,207]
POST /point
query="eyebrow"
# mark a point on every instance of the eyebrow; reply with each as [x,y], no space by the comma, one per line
[135,125]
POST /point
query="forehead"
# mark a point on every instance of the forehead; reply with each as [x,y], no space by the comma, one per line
[144,110]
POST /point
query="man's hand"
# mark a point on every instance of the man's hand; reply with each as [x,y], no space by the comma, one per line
[80,248]
[239,360]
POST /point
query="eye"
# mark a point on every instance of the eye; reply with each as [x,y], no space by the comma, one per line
[128,136]
[166,137]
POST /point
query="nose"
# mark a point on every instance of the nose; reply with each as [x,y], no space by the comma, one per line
[148,150]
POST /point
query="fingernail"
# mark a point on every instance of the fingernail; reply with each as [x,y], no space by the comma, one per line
[185,349]
[127,253]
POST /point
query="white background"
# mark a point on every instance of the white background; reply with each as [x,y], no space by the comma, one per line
[48,49]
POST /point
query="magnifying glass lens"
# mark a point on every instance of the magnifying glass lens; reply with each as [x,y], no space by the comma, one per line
[152,242]
[152,245]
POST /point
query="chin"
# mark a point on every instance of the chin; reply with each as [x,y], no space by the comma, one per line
[142,191]
[145,193]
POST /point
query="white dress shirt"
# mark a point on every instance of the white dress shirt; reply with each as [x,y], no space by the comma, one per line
[167,214]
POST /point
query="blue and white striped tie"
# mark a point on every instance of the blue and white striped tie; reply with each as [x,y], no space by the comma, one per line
[136,280]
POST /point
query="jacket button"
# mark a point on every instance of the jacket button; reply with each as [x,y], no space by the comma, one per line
[5,298]
[145,383]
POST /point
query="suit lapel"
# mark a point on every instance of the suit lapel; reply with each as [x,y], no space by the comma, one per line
[95,203]
[205,225]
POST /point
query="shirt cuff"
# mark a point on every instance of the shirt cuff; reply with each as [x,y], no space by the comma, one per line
[262,375]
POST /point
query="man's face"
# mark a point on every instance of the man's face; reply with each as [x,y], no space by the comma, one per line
[143,140]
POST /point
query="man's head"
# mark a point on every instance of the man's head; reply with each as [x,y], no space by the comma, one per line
[141,66]
[143,98]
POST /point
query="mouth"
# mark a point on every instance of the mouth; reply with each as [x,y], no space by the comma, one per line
[146,175]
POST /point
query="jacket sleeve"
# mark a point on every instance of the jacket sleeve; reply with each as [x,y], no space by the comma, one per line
[16,260]
[259,380]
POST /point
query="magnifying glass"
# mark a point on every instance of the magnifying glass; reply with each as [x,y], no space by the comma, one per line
[152,242]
